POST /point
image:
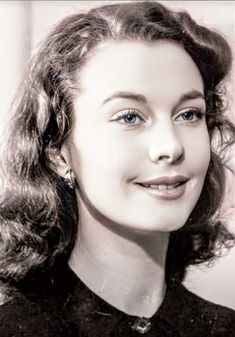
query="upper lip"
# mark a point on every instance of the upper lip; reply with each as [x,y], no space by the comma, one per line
[165,180]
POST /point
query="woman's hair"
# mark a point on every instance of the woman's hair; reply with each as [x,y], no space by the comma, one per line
[38,214]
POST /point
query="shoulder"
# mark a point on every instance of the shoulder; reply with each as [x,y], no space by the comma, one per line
[24,317]
[197,316]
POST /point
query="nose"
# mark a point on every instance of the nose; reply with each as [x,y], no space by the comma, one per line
[165,145]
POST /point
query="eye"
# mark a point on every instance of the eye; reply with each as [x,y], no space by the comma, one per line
[129,117]
[190,115]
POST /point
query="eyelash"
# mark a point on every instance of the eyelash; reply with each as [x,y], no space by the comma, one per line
[120,116]
[196,115]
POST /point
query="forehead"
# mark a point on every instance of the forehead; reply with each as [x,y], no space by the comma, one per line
[146,68]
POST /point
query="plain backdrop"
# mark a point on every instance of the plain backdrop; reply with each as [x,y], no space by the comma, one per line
[23,24]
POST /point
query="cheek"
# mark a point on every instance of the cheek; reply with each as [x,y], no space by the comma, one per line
[101,155]
[198,151]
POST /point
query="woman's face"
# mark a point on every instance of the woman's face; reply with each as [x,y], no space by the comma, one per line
[140,147]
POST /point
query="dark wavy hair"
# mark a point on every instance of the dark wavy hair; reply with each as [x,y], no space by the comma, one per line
[38,214]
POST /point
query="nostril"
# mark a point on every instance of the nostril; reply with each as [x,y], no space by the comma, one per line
[180,158]
[164,157]
[166,147]
[174,158]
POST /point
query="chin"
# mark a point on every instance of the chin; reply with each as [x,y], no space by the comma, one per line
[165,224]
[162,218]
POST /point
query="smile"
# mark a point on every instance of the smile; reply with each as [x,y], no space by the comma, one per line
[162,186]
[166,188]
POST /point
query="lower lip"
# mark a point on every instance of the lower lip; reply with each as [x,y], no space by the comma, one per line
[171,194]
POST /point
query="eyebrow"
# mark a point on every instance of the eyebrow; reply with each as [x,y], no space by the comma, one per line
[193,94]
[127,95]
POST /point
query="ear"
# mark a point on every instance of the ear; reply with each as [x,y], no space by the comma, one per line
[59,159]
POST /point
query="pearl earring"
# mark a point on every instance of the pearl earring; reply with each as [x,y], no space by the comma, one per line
[69,179]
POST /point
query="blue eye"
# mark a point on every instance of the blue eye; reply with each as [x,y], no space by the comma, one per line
[191,115]
[129,117]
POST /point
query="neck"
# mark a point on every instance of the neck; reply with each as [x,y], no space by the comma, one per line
[124,267]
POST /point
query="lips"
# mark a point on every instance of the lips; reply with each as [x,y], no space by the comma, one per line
[162,186]
[168,188]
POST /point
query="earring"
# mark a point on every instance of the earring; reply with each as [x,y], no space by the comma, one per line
[69,178]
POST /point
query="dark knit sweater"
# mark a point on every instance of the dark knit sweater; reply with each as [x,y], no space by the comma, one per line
[65,307]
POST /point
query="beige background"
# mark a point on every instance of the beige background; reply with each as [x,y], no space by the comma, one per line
[24,23]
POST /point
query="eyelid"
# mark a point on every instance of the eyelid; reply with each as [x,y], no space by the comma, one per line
[125,112]
[196,110]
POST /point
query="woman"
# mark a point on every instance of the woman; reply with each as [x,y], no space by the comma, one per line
[110,182]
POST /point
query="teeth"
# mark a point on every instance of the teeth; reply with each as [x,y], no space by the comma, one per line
[155,186]
[162,186]
[169,187]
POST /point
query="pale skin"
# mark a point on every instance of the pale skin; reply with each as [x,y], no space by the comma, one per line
[124,228]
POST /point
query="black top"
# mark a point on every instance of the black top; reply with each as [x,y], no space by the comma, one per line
[63,306]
